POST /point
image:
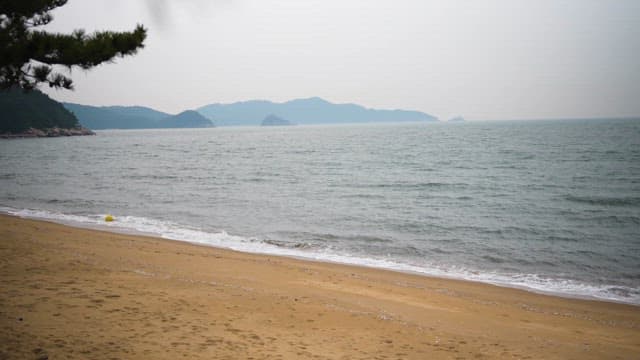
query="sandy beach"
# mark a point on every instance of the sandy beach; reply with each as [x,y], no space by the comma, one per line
[85,294]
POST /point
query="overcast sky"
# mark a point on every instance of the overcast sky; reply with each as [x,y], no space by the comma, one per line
[482,59]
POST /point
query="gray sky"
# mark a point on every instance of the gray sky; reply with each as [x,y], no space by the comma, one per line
[482,59]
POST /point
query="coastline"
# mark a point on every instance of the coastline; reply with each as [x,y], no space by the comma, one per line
[80,293]
[132,225]
[49,132]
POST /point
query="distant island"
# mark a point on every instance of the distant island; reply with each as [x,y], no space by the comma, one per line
[304,111]
[457,119]
[134,117]
[273,120]
[34,114]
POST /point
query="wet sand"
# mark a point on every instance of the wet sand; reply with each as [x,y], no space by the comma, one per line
[86,294]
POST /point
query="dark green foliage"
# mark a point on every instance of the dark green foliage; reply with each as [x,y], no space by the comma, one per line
[26,55]
[20,110]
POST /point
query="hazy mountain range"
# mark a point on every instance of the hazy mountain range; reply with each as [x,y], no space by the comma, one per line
[300,111]
[304,111]
[134,117]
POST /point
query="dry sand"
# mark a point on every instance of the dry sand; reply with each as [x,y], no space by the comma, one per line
[84,294]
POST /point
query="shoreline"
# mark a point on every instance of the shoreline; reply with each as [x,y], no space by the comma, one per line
[80,293]
[48,133]
[350,260]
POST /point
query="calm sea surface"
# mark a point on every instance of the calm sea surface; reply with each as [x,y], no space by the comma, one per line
[551,206]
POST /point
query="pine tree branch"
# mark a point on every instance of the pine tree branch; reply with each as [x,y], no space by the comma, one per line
[21,46]
[85,51]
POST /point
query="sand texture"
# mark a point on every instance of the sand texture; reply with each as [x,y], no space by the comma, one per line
[70,293]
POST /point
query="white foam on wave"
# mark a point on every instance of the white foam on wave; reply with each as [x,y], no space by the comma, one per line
[55,217]
[172,231]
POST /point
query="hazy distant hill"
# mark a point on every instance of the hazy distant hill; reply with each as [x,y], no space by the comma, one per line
[138,111]
[114,117]
[273,120]
[186,119]
[133,117]
[305,111]
[21,110]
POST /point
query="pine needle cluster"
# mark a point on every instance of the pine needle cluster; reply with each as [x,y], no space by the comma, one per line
[28,55]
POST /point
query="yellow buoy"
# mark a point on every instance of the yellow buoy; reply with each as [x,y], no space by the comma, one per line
[108,218]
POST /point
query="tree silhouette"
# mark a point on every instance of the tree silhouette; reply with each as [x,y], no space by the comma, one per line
[27,55]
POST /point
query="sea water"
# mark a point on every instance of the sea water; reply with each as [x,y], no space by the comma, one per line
[551,206]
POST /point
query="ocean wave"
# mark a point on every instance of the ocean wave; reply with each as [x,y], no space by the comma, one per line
[152,177]
[613,219]
[423,185]
[78,202]
[493,259]
[604,200]
[10,176]
[165,229]
[290,244]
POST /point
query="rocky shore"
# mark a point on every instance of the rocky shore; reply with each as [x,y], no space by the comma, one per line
[51,132]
